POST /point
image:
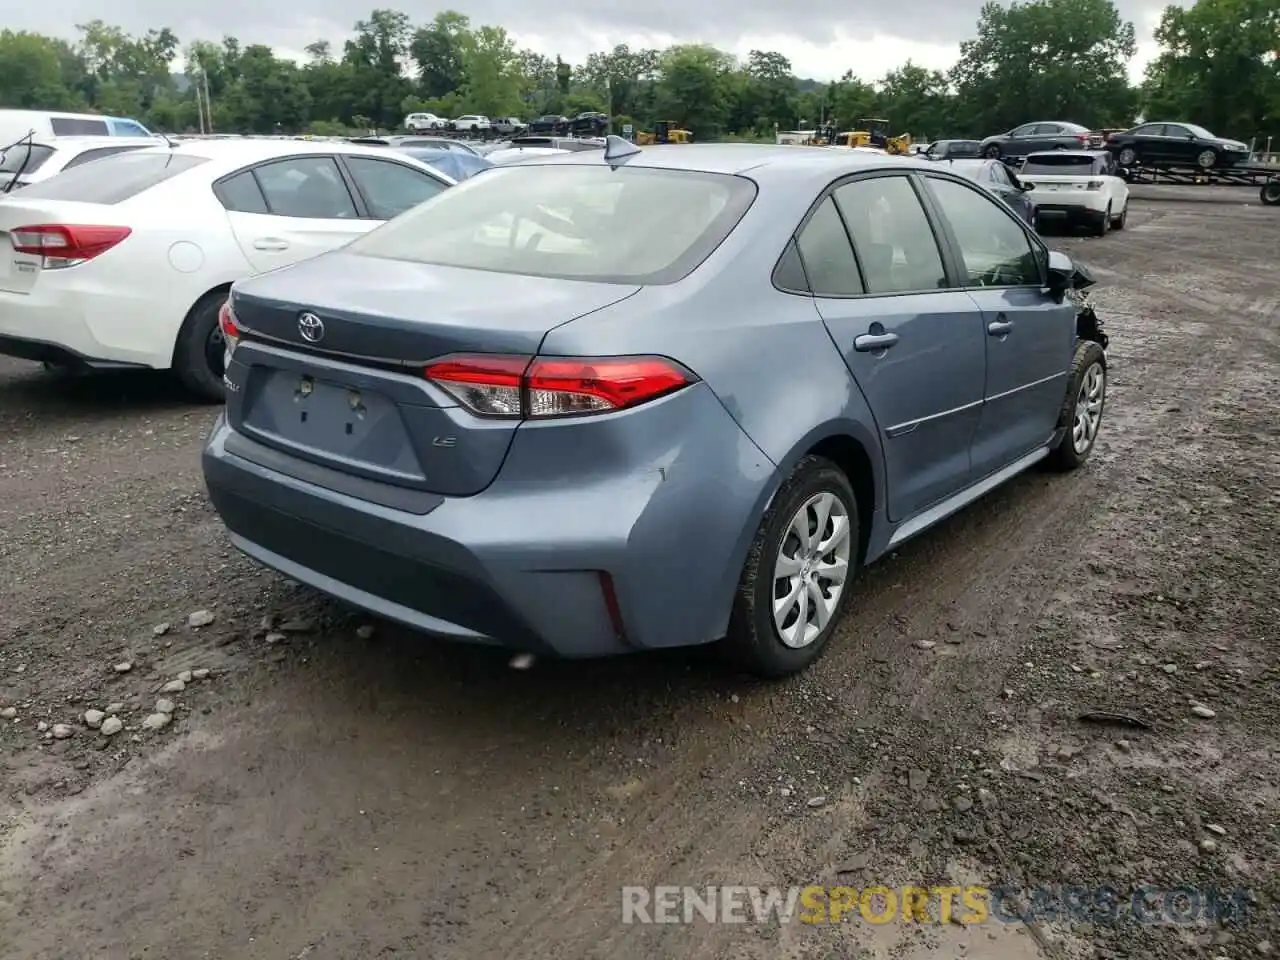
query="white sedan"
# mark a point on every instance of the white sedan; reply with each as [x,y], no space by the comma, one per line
[1076,187]
[125,262]
[26,163]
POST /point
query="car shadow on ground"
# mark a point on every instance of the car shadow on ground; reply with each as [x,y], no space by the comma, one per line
[31,388]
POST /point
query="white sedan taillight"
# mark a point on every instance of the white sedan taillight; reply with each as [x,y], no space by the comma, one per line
[60,245]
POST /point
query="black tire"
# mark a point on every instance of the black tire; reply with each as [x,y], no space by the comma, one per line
[1127,157]
[754,643]
[1118,223]
[1101,228]
[1207,159]
[1065,456]
[197,349]
[992,151]
[1270,193]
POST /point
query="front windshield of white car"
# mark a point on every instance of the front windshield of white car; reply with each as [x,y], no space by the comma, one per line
[631,225]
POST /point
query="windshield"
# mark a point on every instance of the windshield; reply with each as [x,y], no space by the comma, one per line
[573,221]
[1067,164]
[1200,132]
[25,157]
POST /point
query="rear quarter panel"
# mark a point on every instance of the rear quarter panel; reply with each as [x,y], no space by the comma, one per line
[769,360]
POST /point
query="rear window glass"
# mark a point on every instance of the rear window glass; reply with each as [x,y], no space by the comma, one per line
[1058,164]
[578,222]
[78,127]
[99,152]
[114,179]
[25,157]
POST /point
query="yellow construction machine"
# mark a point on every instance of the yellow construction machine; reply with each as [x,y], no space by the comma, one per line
[664,131]
[875,133]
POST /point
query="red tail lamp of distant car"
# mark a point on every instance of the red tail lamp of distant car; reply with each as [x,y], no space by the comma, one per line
[60,245]
[518,387]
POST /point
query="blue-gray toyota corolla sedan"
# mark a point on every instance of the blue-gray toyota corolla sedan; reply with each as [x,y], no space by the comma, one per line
[640,398]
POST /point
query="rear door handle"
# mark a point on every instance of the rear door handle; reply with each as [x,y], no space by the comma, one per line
[999,328]
[869,342]
[270,243]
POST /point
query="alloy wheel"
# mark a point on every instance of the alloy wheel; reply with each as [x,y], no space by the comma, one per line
[1089,401]
[811,569]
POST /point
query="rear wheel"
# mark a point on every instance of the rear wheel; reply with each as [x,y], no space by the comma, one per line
[1128,157]
[1101,227]
[1270,194]
[795,583]
[199,356]
[1082,408]
[1118,222]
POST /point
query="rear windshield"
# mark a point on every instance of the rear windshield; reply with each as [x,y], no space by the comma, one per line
[632,225]
[78,127]
[1059,164]
[114,179]
[26,157]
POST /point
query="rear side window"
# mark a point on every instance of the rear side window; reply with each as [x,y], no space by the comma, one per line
[630,225]
[828,259]
[391,188]
[26,157]
[79,127]
[98,153]
[129,128]
[115,179]
[1051,164]
[241,194]
[892,236]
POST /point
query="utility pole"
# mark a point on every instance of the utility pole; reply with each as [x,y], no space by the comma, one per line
[208,103]
[608,89]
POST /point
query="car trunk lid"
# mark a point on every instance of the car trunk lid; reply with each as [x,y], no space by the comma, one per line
[333,349]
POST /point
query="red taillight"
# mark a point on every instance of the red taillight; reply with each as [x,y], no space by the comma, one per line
[520,387]
[65,245]
[227,323]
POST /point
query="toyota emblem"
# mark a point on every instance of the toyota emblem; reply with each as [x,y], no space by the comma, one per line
[311,327]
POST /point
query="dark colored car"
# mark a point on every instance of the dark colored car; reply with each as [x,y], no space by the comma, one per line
[1000,180]
[949,149]
[550,124]
[1034,137]
[1175,145]
[591,124]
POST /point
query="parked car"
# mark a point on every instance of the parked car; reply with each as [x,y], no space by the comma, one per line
[576,447]
[471,123]
[438,143]
[507,126]
[550,123]
[1175,145]
[950,149]
[15,124]
[1034,137]
[416,122]
[996,176]
[571,144]
[39,159]
[456,164]
[510,155]
[590,124]
[1077,187]
[125,261]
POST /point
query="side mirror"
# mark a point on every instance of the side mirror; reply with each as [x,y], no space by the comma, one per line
[1061,270]
[1025,187]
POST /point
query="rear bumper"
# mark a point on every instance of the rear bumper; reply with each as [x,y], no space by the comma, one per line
[95,329]
[605,564]
[1069,212]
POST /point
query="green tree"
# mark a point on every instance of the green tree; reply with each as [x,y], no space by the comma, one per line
[694,88]
[494,79]
[1046,60]
[439,52]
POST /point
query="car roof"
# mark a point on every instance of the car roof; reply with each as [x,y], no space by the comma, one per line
[765,162]
[1095,154]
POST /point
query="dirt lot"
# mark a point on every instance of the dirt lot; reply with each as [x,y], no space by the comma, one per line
[330,794]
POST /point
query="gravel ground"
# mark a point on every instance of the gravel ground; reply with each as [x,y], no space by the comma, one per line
[284,780]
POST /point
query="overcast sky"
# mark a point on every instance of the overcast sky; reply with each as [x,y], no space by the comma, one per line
[823,38]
